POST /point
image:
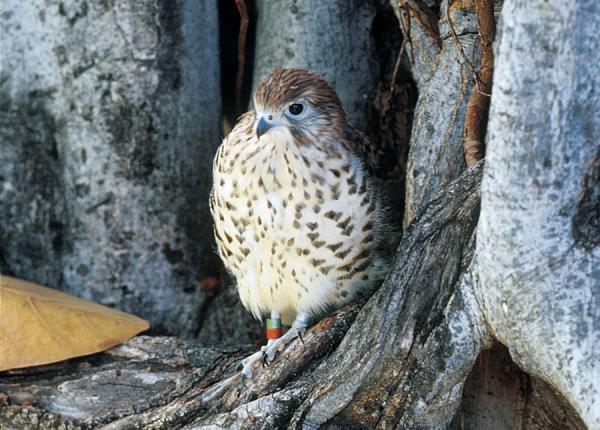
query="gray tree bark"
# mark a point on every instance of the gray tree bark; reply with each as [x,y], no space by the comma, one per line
[537,266]
[110,116]
[445,55]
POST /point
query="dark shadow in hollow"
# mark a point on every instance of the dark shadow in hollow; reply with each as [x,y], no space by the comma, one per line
[498,395]
[229,29]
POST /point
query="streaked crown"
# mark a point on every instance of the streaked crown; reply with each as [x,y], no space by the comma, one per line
[285,86]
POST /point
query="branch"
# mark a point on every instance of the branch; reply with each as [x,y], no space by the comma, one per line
[413,324]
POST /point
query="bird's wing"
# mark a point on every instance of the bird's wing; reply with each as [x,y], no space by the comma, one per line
[379,161]
[360,145]
[389,193]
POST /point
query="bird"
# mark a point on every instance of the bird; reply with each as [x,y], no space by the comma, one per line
[298,218]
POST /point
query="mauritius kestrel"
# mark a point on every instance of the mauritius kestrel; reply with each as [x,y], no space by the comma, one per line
[298,219]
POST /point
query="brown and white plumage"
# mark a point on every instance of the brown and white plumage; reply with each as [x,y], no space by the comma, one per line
[297,219]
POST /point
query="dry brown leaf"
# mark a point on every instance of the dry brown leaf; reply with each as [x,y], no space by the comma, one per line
[40,325]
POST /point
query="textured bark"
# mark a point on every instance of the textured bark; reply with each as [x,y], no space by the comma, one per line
[163,382]
[110,116]
[436,151]
[538,261]
[332,38]
[416,322]
[145,373]
[419,24]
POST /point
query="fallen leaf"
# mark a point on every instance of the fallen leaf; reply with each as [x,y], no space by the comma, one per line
[39,325]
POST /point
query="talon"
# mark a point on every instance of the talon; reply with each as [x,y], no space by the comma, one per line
[271,353]
[248,362]
[299,333]
[265,360]
[246,374]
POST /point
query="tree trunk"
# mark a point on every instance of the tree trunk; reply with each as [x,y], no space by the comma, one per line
[446,57]
[110,116]
[537,266]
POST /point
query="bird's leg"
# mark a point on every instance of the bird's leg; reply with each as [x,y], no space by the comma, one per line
[275,344]
[273,332]
[298,329]
[274,326]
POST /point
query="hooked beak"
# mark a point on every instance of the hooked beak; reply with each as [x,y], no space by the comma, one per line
[262,127]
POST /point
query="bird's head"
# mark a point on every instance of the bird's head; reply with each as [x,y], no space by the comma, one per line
[300,101]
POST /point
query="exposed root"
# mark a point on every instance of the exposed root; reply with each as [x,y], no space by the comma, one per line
[479,100]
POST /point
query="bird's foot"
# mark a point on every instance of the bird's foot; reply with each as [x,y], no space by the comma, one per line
[248,364]
[267,353]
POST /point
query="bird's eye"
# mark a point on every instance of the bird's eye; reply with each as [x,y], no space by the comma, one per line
[296,108]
